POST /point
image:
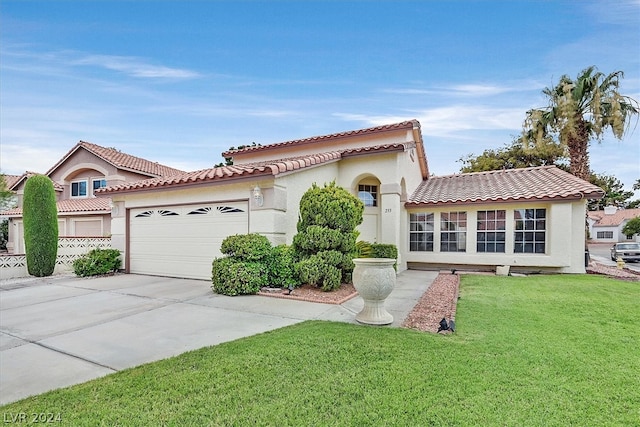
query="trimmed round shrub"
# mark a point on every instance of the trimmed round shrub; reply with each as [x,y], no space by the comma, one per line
[231,276]
[97,261]
[248,247]
[40,217]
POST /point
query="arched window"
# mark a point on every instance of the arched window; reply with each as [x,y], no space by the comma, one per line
[368,194]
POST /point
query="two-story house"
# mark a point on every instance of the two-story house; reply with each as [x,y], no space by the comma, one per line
[84,169]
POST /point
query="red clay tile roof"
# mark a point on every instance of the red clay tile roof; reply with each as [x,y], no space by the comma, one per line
[271,168]
[79,206]
[121,161]
[10,180]
[613,220]
[528,184]
[27,175]
[410,124]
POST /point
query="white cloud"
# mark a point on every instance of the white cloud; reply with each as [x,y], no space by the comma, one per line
[135,67]
[450,121]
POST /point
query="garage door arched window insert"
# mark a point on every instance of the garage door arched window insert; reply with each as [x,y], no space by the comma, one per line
[221,209]
[229,209]
[161,212]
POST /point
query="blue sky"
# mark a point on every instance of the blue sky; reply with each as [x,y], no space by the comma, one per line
[180,82]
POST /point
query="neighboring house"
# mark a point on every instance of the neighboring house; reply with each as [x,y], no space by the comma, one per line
[530,219]
[84,169]
[606,225]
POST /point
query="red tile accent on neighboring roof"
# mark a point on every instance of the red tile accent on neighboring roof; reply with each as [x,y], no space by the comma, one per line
[410,124]
[11,180]
[27,175]
[121,160]
[91,204]
[529,184]
[615,219]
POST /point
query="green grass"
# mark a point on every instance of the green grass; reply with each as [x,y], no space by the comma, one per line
[535,351]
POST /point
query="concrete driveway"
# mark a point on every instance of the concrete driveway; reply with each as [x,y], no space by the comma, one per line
[60,331]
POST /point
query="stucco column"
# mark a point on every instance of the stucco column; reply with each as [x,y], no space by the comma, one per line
[390,215]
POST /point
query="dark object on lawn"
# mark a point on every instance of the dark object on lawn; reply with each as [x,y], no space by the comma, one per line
[447,326]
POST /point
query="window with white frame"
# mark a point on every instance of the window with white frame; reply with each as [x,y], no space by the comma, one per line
[421,232]
[79,188]
[530,230]
[453,232]
[604,234]
[99,183]
[491,234]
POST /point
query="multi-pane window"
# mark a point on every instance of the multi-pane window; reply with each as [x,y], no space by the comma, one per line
[79,189]
[530,230]
[368,194]
[491,234]
[453,232]
[604,234]
[421,232]
[99,183]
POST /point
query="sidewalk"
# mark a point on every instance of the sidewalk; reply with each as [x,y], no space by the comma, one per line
[64,330]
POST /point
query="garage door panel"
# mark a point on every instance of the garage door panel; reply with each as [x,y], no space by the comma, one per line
[182,241]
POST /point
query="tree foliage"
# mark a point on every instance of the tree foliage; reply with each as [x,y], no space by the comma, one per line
[632,227]
[40,218]
[516,155]
[580,110]
[326,238]
[614,193]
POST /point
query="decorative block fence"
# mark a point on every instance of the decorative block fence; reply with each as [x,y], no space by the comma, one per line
[69,249]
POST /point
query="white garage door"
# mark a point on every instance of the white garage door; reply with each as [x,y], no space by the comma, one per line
[182,241]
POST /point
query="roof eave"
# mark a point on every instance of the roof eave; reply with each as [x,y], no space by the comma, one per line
[106,192]
[411,204]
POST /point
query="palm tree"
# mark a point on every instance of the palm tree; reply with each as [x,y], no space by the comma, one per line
[579,111]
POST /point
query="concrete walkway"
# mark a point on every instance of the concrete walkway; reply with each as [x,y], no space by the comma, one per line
[60,331]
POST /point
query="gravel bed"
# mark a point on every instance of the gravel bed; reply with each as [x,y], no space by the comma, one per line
[438,302]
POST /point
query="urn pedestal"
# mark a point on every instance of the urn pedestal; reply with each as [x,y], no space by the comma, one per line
[374,279]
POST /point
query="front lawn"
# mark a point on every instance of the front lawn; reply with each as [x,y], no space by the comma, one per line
[534,351]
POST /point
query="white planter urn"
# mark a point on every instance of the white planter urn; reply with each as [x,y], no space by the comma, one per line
[374,279]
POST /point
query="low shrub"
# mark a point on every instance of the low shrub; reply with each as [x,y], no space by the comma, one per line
[97,261]
[376,250]
[251,263]
[383,250]
[231,276]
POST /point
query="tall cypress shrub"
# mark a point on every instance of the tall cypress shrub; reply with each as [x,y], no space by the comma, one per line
[40,225]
